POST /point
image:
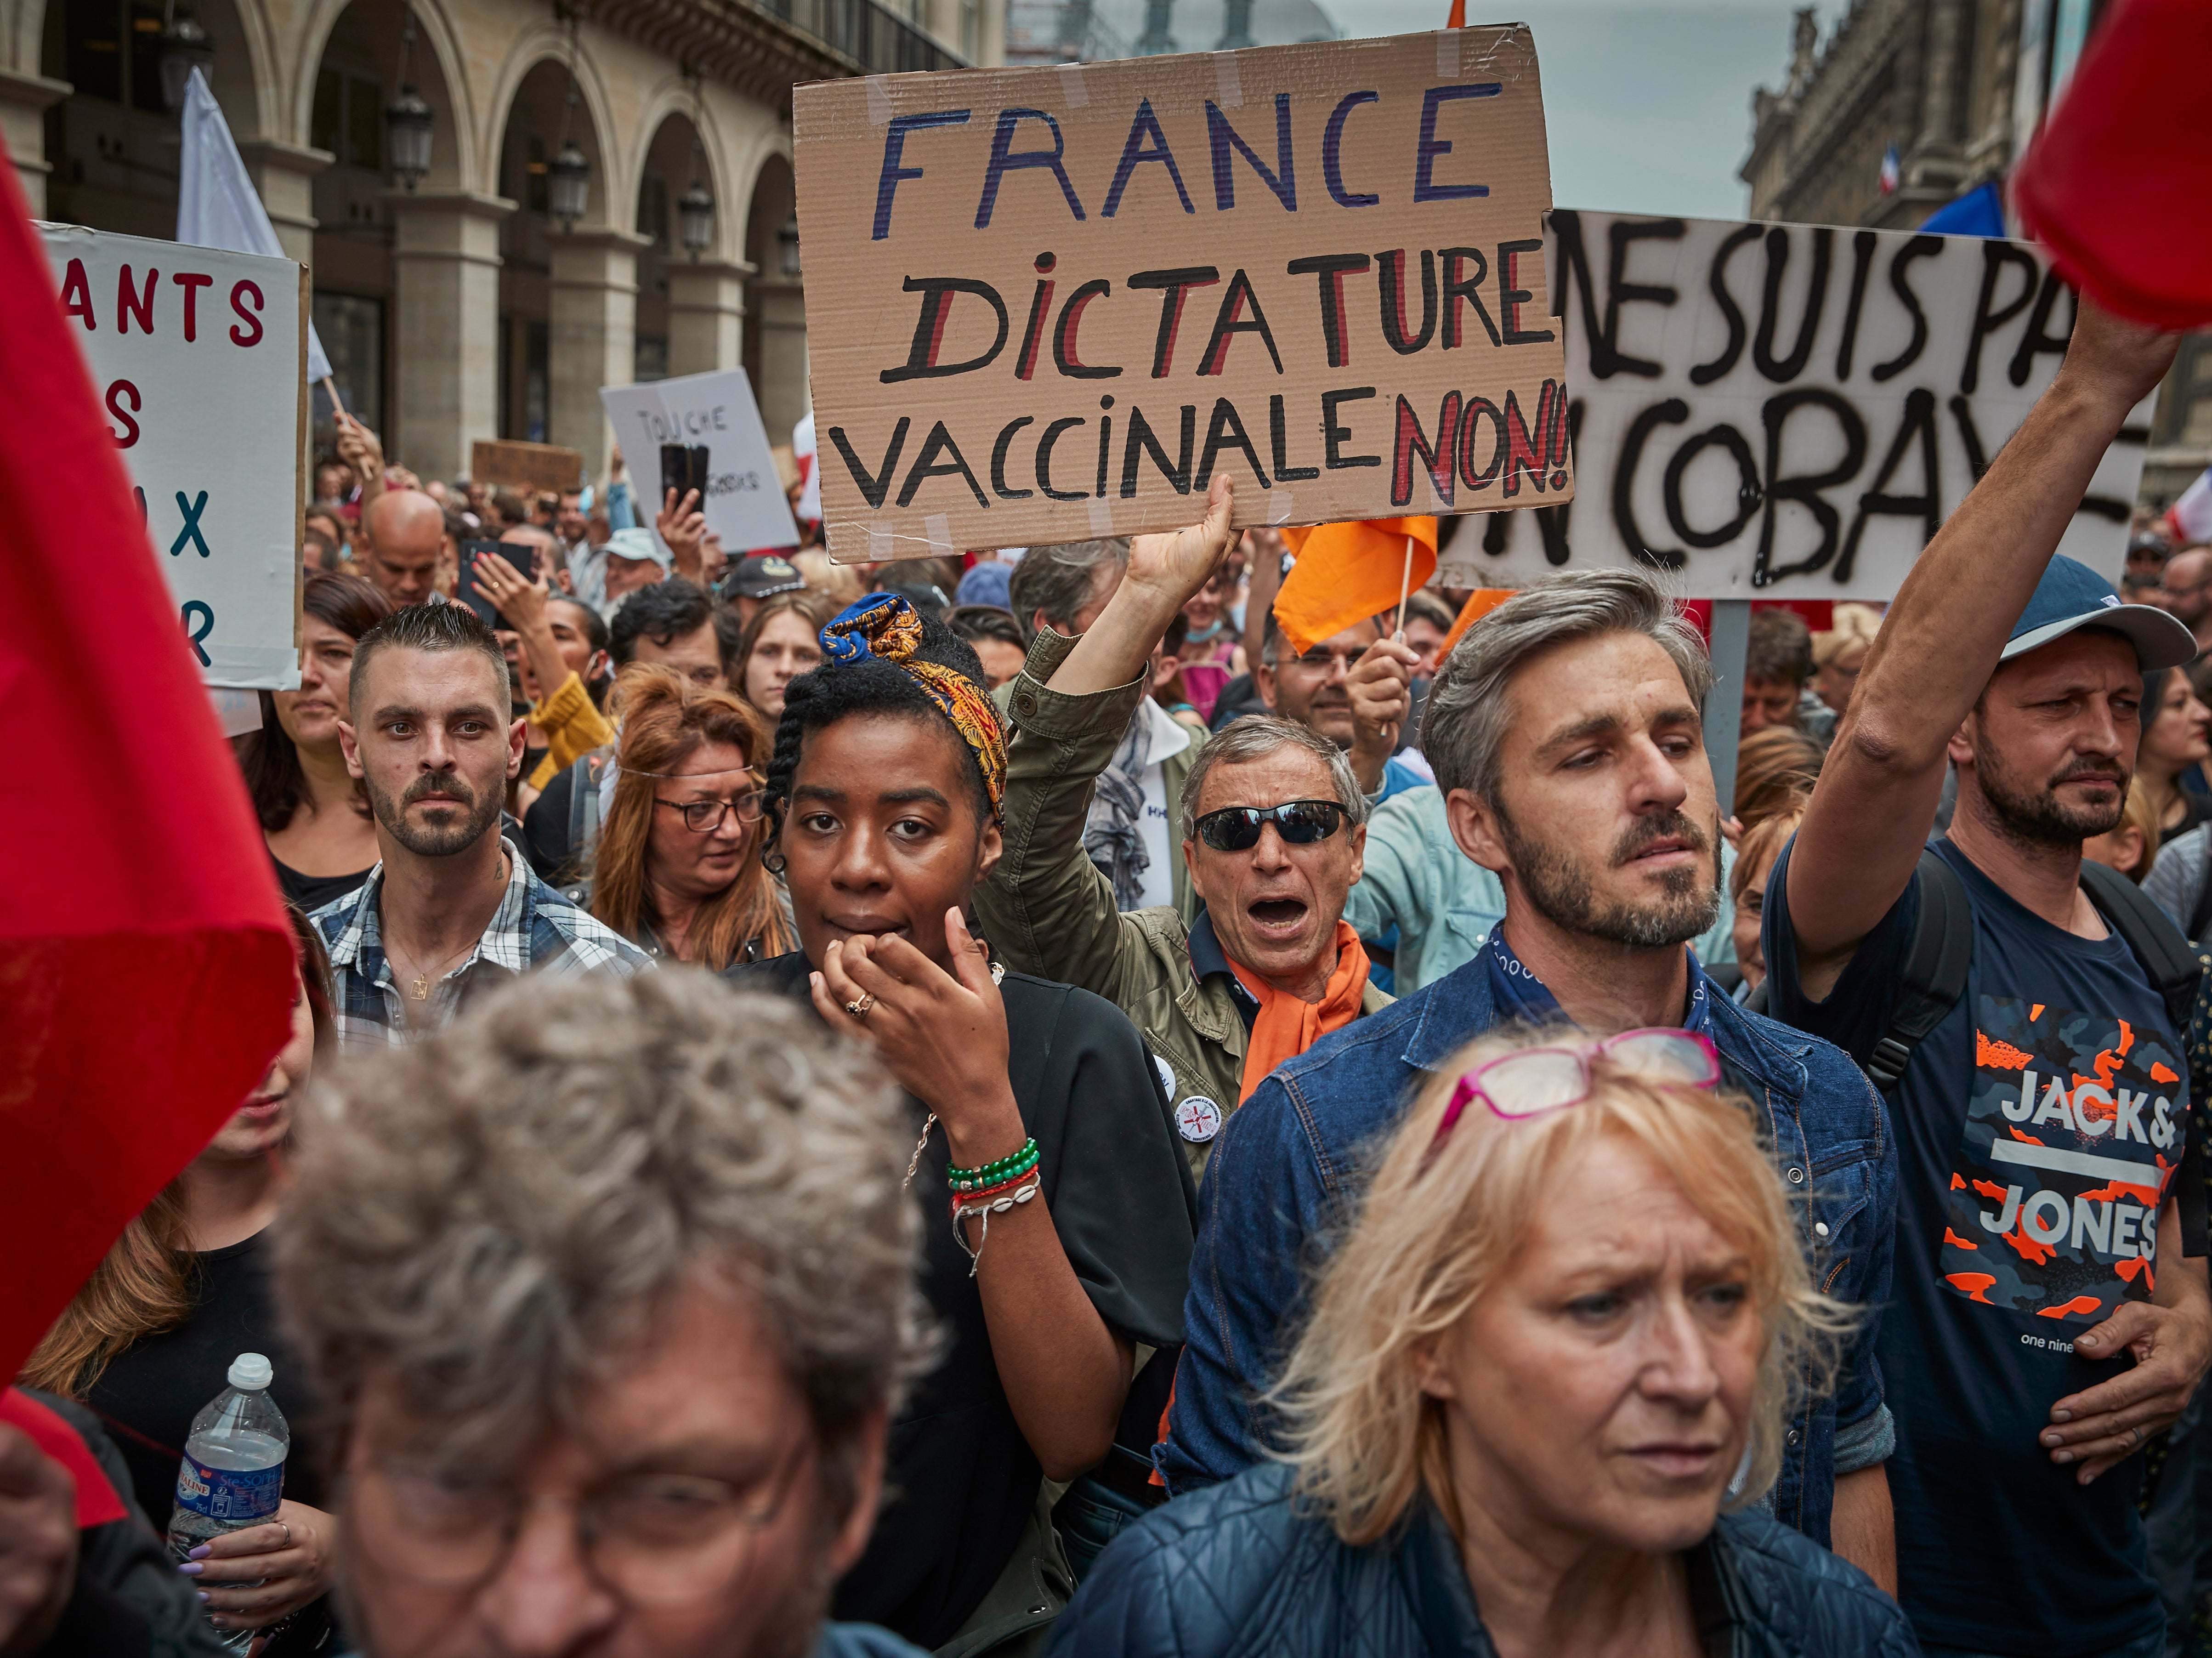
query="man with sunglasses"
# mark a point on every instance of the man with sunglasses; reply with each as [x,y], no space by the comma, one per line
[2050,1314]
[615,1374]
[1566,730]
[1271,822]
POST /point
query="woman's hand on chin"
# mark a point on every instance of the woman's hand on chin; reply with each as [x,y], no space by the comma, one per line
[942,1036]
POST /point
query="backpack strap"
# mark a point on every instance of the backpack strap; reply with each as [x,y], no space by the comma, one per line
[1934,973]
[2158,945]
[2174,970]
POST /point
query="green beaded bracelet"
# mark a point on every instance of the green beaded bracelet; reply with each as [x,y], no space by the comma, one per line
[995,1173]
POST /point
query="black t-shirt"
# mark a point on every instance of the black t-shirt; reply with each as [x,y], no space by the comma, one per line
[546,828]
[963,1478]
[312,892]
[148,1397]
[2037,1128]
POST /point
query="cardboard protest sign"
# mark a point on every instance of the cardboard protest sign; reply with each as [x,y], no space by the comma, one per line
[1788,412]
[1048,304]
[198,356]
[715,413]
[511,464]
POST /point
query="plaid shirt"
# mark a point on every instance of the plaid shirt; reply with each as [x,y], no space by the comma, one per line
[535,929]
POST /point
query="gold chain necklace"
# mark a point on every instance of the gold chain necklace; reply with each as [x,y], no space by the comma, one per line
[418,988]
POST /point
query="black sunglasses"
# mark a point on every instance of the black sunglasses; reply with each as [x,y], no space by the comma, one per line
[1300,823]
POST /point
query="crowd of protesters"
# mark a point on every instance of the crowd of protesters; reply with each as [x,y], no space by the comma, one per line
[985,1105]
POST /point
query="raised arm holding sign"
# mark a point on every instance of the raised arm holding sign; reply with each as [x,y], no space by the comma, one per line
[1005,265]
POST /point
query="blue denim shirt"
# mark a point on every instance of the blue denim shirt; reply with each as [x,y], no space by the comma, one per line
[1286,1171]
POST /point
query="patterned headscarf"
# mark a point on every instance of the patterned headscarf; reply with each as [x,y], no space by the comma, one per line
[886,626]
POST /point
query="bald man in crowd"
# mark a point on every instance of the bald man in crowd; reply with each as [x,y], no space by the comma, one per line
[2188,584]
[404,529]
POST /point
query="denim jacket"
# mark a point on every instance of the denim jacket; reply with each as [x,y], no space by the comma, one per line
[1286,1174]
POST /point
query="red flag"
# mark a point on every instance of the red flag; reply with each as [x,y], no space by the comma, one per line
[2115,184]
[1347,572]
[145,966]
[1458,18]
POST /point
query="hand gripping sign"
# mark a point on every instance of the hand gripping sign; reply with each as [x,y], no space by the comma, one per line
[1048,304]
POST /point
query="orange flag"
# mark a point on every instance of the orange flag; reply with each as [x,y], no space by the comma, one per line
[1480,604]
[1458,18]
[1348,573]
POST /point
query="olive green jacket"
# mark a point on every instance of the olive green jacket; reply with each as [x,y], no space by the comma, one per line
[1049,910]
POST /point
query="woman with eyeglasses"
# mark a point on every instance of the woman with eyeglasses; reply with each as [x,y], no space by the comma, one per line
[1057,1214]
[1541,1394]
[676,869]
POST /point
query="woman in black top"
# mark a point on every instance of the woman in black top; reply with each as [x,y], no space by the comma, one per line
[315,816]
[149,1339]
[889,764]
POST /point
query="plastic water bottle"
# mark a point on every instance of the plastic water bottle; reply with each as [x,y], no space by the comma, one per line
[232,1474]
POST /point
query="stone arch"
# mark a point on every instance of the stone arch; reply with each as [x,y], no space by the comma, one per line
[435,68]
[669,111]
[117,111]
[775,321]
[539,56]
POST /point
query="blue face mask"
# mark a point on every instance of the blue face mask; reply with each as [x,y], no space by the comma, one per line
[1200,635]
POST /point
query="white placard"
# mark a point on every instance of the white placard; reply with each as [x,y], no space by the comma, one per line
[745,504]
[197,358]
[1788,411]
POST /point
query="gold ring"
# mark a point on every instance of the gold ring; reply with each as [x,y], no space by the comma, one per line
[861,1005]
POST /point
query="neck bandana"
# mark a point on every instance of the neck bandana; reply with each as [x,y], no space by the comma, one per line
[1287,1027]
[1521,995]
[885,625]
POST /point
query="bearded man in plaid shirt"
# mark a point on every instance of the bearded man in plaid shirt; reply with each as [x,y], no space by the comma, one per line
[450,910]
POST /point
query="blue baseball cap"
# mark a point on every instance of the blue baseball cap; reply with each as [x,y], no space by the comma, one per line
[2072,595]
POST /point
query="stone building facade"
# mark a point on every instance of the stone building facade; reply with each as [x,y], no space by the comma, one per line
[1956,89]
[455,306]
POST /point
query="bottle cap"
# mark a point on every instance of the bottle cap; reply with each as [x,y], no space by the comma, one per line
[249,1373]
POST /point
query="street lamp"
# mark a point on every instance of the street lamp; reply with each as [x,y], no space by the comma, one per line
[185,46]
[788,238]
[568,175]
[569,184]
[408,123]
[695,207]
[695,218]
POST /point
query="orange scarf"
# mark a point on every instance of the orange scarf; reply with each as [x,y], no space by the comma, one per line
[1287,1026]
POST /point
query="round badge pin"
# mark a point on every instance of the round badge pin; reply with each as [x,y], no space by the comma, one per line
[1167,1074]
[1198,1120]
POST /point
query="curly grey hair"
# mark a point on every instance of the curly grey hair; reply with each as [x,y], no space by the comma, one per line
[1468,711]
[1255,736]
[489,1216]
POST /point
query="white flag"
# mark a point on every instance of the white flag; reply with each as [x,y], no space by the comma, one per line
[216,206]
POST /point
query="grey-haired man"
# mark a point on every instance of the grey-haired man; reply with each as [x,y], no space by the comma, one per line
[1566,730]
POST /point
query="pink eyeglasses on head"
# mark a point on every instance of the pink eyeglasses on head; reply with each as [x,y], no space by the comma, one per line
[1536,1080]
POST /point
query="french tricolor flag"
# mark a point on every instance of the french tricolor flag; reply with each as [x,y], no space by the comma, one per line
[1891,174]
[2189,520]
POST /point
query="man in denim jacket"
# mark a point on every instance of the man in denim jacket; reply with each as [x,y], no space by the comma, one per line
[1566,734]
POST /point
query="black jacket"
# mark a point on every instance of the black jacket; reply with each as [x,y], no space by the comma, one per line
[1237,1569]
[130,1601]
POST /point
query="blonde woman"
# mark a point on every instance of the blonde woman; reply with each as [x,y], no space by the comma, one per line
[1541,1395]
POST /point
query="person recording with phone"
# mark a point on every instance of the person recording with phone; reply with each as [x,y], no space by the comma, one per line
[561,644]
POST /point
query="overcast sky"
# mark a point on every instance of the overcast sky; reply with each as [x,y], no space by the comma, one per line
[1648,103]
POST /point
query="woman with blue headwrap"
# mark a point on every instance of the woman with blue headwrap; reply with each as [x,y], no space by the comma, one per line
[1058,1214]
